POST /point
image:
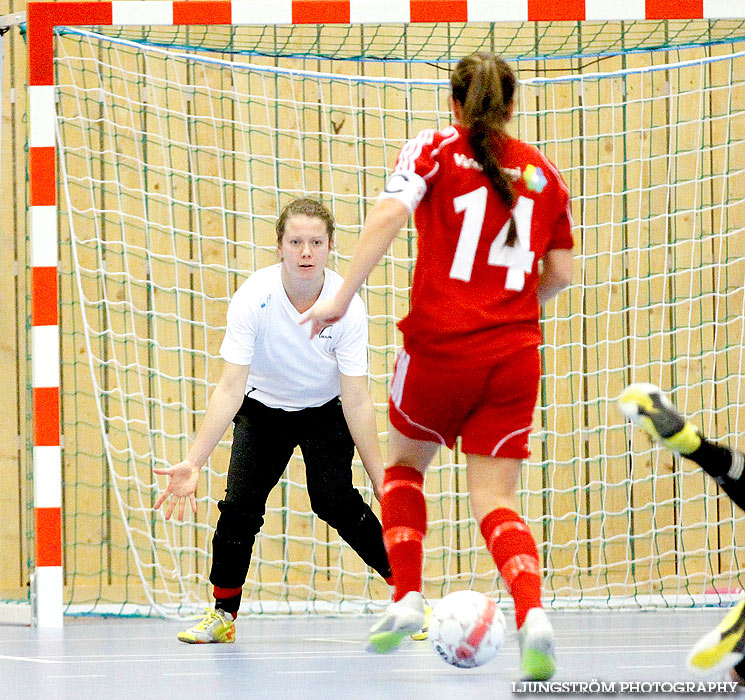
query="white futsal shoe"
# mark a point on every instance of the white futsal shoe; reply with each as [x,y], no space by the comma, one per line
[403,618]
[537,655]
[216,627]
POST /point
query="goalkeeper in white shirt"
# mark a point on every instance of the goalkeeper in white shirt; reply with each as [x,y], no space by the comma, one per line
[282,389]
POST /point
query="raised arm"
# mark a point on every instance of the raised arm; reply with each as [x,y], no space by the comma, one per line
[384,221]
[359,412]
[224,403]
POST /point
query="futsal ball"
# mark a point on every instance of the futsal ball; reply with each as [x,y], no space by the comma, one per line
[466,629]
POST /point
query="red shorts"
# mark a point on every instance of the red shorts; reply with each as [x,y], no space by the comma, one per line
[491,408]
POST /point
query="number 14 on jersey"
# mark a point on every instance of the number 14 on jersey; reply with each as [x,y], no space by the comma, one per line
[518,259]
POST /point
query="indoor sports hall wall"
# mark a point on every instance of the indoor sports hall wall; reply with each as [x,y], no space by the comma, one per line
[171,186]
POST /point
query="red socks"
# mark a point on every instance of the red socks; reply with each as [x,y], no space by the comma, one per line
[404,526]
[227,599]
[513,548]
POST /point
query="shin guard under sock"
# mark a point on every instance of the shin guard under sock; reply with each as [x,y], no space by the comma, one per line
[404,525]
[513,549]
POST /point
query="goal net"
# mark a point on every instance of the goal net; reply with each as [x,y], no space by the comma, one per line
[177,147]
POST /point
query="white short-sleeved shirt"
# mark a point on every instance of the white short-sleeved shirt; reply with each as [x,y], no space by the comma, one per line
[288,369]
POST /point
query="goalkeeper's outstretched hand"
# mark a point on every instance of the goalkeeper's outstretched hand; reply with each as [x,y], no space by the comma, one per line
[182,485]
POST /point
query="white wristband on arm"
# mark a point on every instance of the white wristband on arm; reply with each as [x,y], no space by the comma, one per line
[405,186]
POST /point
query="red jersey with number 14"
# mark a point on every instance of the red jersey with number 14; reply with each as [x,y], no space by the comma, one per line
[471,293]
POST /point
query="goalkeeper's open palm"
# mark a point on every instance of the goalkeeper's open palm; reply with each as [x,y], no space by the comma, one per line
[182,485]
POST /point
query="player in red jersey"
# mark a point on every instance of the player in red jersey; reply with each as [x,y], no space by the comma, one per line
[487,209]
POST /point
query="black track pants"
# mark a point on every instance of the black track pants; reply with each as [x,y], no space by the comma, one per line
[263,441]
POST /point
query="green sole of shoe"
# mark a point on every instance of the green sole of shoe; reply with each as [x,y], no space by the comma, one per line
[385,642]
[537,666]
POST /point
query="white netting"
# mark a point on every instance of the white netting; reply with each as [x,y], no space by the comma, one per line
[173,170]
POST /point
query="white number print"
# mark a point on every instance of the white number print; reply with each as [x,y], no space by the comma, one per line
[518,259]
[474,204]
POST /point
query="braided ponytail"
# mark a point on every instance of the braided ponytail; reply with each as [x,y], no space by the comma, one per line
[483,85]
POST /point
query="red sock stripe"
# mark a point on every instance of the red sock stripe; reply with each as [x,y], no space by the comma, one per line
[403,501]
[392,485]
[396,535]
[399,473]
[511,526]
[223,593]
[517,565]
[496,518]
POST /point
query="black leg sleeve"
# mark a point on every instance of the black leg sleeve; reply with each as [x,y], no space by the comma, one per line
[714,459]
[739,669]
[734,489]
[725,466]
[328,450]
[262,446]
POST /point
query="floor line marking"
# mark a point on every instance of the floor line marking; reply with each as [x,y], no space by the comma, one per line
[304,673]
[335,641]
[30,660]
[194,673]
[81,675]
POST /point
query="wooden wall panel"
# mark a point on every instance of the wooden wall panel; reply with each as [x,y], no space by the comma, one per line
[10,471]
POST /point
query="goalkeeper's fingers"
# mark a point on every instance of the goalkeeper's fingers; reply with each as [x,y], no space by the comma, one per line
[160,500]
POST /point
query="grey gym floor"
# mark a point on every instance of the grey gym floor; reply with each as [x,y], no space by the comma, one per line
[314,658]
